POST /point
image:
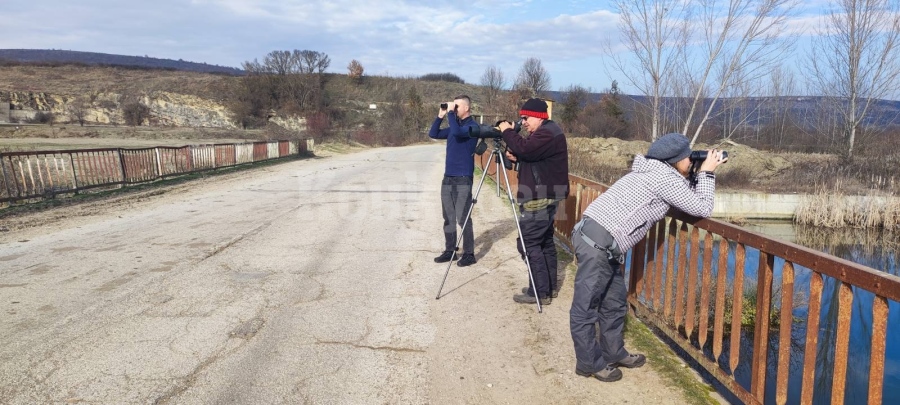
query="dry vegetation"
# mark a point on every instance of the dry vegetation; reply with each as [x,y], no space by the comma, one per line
[79,80]
[405,108]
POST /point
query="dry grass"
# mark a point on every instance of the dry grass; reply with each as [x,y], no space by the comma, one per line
[831,208]
[78,80]
[62,137]
[752,170]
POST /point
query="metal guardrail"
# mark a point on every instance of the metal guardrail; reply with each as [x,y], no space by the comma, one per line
[37,175]
[675,285]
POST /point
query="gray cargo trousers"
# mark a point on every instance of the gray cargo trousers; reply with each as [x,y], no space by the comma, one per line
[600,298]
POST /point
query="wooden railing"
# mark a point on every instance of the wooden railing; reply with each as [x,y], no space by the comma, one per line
[688,274]
[37,175]
[689,279]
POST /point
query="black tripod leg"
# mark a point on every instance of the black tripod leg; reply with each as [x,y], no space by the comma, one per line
[465,223]
[512,204]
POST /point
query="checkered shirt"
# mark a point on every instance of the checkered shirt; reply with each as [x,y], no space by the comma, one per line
[642,197]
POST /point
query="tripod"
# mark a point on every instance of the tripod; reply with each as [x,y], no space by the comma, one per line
[501,168]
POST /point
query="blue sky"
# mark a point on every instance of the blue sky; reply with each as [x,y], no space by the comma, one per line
[389,37]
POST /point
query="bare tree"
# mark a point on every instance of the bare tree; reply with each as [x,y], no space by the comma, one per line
[744,36]
[740,102]
[602,118]
[78,108]
[292,79]
[533,78]
[574,99]
[782,91]
[855,59]
[744,41]
[312,61]
[494,82]
[656,33]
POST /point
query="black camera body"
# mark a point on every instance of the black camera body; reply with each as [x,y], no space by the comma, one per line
[697,157]
[485,132]
[700,155]
[488,131]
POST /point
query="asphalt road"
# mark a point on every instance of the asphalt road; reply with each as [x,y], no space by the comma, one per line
[305,282]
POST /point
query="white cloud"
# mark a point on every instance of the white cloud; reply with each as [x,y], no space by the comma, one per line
[397,37]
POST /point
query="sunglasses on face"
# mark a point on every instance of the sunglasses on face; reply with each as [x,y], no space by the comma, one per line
[523,118]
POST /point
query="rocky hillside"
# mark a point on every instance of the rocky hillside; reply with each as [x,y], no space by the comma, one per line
[99,94]
[166,108]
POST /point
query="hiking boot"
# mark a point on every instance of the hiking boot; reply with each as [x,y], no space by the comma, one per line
[608,374]
[446,257]
[529,299]
[467,259]
[553,294]
[631,361]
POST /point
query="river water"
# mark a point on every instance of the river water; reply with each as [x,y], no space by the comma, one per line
[878,250]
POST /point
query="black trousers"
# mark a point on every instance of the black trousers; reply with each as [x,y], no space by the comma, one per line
[600,299]
[537,231]
[456,198]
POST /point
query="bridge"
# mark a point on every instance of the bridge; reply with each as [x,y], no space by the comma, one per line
[726,298]
[689,278]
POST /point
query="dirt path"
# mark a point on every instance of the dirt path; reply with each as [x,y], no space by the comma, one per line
[306,282]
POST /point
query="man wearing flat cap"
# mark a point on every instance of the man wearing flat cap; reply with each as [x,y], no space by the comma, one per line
[543,158]
[612,224]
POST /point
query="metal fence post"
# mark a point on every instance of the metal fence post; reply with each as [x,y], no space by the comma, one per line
[74,174]
[3,172]
[159,172]
[122,166]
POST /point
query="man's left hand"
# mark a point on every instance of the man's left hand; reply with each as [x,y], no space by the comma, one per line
[504,125]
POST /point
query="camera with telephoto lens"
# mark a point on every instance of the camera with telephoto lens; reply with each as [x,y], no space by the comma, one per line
[488,131]
[485,132]
[697,157]
[700,155]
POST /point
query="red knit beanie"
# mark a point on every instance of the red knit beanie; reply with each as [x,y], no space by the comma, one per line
[535,107]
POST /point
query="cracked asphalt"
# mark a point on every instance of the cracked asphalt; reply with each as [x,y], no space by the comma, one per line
[310,281]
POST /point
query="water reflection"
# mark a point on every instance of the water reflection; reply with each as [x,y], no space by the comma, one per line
[878,250]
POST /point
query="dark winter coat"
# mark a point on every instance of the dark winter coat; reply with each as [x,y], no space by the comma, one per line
[543,160]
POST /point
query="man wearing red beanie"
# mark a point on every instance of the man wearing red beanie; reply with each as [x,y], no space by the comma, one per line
[543,159]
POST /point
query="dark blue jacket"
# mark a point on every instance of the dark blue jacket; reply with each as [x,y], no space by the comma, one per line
[460,147]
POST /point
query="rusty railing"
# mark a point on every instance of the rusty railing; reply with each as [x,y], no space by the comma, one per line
[675,285]
[36,175]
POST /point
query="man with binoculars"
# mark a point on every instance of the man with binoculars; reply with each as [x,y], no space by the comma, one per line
[456,187]
[543,159]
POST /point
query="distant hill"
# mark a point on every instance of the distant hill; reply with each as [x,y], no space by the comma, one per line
[883,113]
[94,58]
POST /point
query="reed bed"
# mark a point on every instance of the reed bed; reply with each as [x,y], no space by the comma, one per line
[830,208]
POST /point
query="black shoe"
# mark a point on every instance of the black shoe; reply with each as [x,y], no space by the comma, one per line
[446,257]
[529,299]
[553,294]
[467,259]
[608,374]
[631,361]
